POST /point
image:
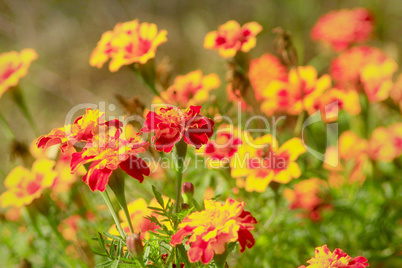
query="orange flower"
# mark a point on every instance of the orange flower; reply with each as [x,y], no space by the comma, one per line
[346,68]
[307,196]
[231,38]
[23,186]
[220,150]
[211,229]
[170,125]
[298,93]
[337,259]
[334,100]
[263,71]
[262,161]
[14,66]
[341,28]
[385,144]
[377,79]
[190,89]
[129,42]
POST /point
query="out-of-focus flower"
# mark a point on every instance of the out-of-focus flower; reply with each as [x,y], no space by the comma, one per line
[342,28]
[338,259]
[211,229]
[263,71]
[385,144]
[377,79]
[299,93]
[308,197]
[108,152]
[129,42]
[220,150]
[157,171]
[69,227]
[190,89]
[139,213]
[351,145]
[14,66]
[13,214]
[333,100]
[171,124]
[23,186]
[262,161]
[231,38]
[396,91]
[234,96]
[346,68]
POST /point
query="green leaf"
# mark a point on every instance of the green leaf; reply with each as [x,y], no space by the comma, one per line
[158,197]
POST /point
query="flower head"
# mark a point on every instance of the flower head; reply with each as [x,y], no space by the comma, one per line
[297,94]
[211,229]
[14,66]
[385,144]
[231,38]
[129,42]
[262,161]
[263,71]
[190,89]
[341,28]
[336,259]
[171,124]
[23,185]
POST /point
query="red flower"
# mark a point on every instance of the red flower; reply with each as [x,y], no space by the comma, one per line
[171,124]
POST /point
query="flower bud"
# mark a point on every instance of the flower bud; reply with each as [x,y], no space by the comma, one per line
[187,188]
[134,245]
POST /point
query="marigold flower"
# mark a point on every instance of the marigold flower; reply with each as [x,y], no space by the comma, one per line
[342,28]
[171,124]
[337,259]
[106,153]
[307,196]
[23,186]
[263,71]
[297,94]
[190,89]
[220,150]
[14,66]
[385,144]
[377,79]
[214,227]
[346,68]
[262,161]
[396,91]
[231,38]
[129,42]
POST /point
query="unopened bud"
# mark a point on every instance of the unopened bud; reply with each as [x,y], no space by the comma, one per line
[187,188]
[185,206]
[134,245]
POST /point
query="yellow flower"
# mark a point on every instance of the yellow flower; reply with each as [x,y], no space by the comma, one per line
[14,66]
[262,161]
[23,186]
[129,42]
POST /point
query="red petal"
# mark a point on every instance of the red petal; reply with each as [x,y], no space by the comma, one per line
[135,167]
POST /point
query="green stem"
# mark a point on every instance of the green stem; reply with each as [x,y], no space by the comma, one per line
[181,151]
[106,197]
[19,100]
[299,124]
[6,128]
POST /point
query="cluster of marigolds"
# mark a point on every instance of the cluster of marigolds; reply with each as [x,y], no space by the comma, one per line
[95,148]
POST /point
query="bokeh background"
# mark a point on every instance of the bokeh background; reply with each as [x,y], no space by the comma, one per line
[64,33]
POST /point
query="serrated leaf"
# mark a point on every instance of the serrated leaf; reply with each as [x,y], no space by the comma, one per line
[158,197]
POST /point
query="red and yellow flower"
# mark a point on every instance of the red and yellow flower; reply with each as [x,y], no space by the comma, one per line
[220,150]
[170,125]
[231,38]
[129,42]
[325,258]
[308,197]
[23,185]
[396,92]
[263,71]
[190,89]
[299,93]
[262,161]
[342,28]
[385,144]
[14,66]
[377,79]
[211,229]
